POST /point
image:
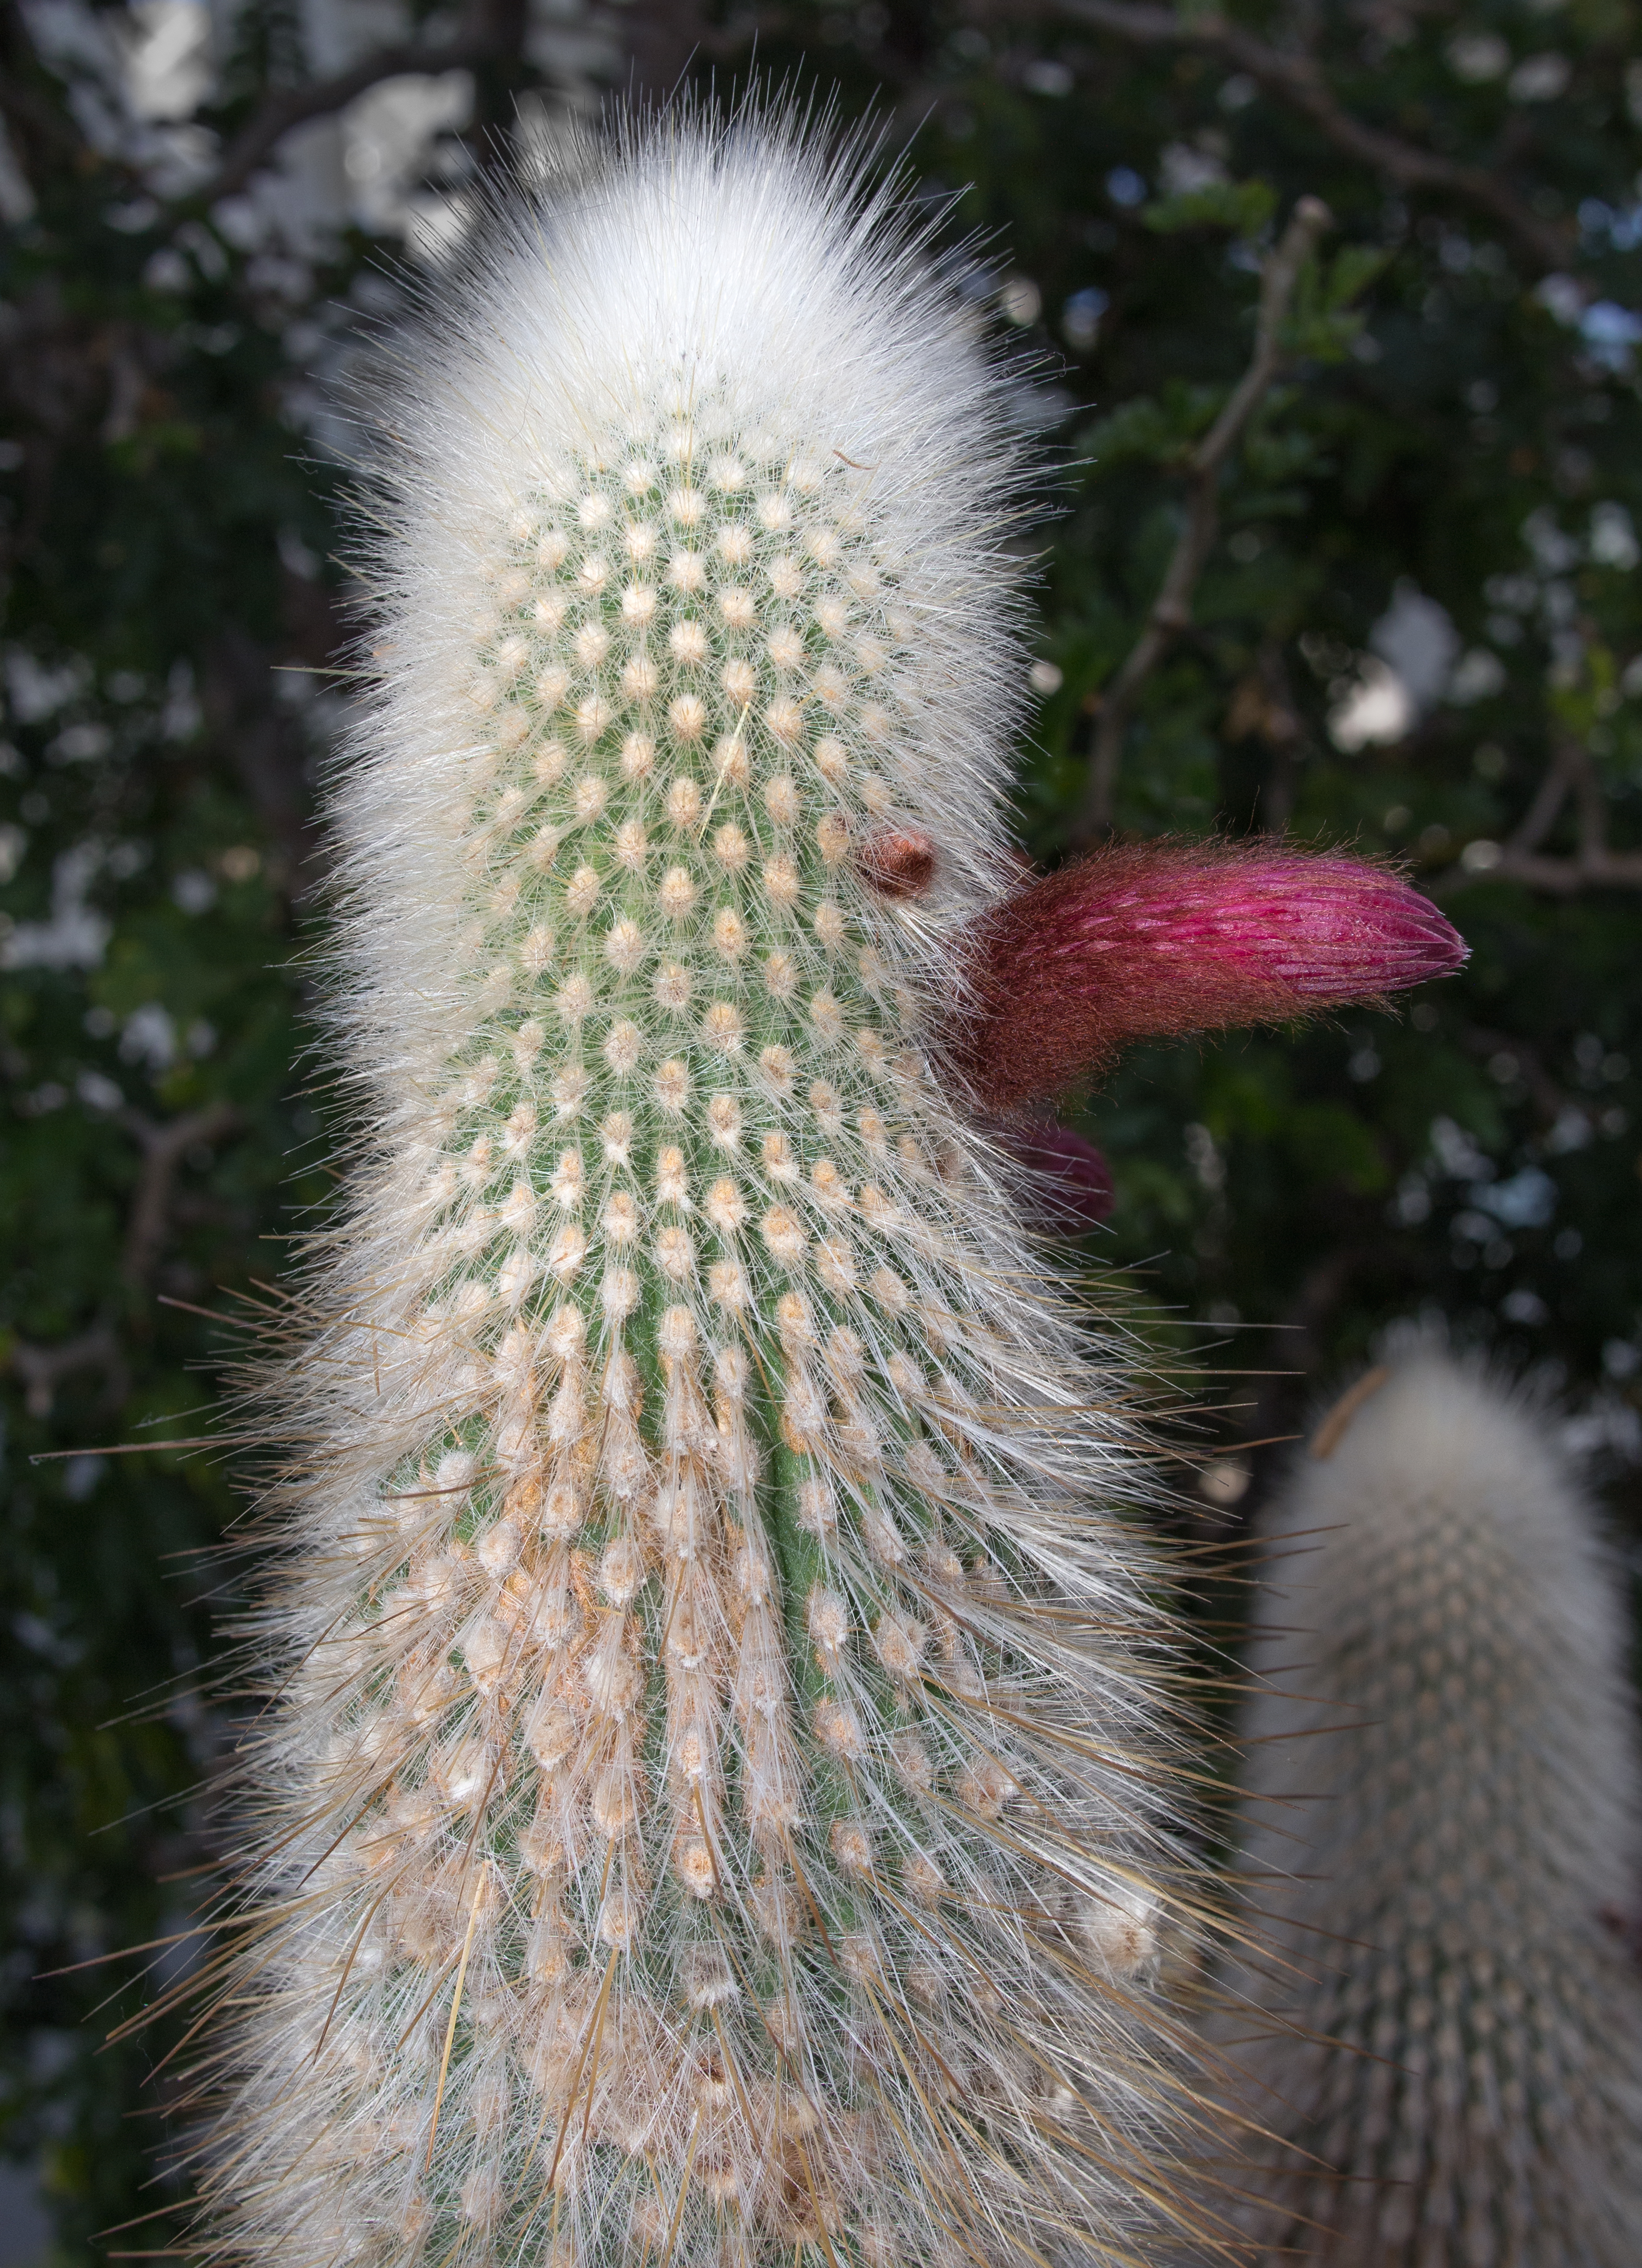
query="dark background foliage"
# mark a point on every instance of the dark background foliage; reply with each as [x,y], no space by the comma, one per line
[1415,629]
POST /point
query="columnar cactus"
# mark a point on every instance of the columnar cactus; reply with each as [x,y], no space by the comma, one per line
[1441,1849]
[715,1799]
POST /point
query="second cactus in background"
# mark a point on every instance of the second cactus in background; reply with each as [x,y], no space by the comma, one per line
[1440,1848]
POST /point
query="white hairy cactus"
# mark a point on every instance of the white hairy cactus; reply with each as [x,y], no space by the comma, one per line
[1441,1852]
[715,1783]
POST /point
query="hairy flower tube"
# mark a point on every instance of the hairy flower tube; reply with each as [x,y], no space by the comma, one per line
[1157,938]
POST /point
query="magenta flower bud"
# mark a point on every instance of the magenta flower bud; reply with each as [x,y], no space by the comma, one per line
[1157,939]
[1072,1186]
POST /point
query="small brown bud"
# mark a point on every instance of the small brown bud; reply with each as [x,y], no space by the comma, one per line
[897,861]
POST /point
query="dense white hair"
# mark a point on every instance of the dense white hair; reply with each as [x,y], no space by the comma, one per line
[716,1796]
[742,274]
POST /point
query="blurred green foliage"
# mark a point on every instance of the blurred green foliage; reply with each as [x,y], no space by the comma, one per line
[1446,479]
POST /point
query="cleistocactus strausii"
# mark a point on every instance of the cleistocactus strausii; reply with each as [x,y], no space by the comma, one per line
[1442,1847]
[716,1798]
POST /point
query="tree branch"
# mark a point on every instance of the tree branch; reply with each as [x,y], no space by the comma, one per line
[1281,730]
[1171,609]
[1298,80]
[1563,878]
[1552,1101]
[163,1147]
[663,38]
[1542,813]
[1592,866]
[42,129]
[1590,804]
[42,1369]
[489,31]
[261,737]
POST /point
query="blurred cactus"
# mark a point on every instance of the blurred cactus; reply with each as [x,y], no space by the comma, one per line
[1440,1848]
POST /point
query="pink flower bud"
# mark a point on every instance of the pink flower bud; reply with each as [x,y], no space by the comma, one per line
[1155,939]
[1071,1191]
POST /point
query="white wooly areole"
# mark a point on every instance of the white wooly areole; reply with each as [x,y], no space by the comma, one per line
[717,1780]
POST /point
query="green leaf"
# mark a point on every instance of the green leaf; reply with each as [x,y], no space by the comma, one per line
[1244,207]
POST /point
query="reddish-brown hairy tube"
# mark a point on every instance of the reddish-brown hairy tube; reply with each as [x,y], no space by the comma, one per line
[1152,940]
